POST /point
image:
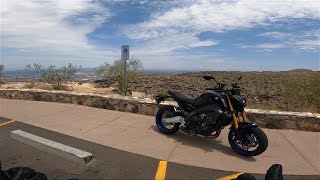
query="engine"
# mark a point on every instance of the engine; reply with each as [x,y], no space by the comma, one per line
[207,126]
[204,119]
[203,123]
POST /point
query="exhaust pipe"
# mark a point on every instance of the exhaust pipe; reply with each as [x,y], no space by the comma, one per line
[176,119]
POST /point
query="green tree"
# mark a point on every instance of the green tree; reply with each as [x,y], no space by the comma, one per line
[56,77]
[116,71]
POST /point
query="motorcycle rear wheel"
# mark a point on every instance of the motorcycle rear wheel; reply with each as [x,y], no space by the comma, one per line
[163,127]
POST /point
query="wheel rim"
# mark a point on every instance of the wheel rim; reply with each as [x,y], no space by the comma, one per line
[167,114]
[248,142]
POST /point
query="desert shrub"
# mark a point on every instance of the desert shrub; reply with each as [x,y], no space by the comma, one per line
[35,85]
[291,96]
[1,69]
[30,85]
[103,83]
[1,73]
[313,94]
[116,71]
[53,77]
[302,95]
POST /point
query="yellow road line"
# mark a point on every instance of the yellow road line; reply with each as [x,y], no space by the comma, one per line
[8,122]
[233,176]
[161,172]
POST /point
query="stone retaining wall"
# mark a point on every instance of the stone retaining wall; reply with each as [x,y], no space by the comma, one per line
[268,119]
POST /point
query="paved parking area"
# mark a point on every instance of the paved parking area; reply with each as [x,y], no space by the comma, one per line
[109,163]
[296,150]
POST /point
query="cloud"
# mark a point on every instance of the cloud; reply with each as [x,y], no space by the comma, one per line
[184,61]
[264,46]
[52,30]
[170,41]
[179,27]
[220,16]
[305,40]
[276,35]
[55,27]
[313,45]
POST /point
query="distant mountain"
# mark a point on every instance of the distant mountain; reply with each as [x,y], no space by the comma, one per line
[23,72]
[28,72]
[300,70]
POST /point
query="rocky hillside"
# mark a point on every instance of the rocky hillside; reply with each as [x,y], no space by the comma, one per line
[266,90]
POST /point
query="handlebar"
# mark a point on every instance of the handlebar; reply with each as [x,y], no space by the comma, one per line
[220,87]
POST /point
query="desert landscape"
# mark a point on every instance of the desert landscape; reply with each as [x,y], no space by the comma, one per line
[284,90]
[264,90]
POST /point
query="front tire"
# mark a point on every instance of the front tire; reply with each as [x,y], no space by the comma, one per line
[166,128]
[251,138]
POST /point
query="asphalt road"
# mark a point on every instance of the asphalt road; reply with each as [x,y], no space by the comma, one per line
[109,163]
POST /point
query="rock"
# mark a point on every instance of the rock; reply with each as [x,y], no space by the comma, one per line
[147,109]
[88,101]
[277,116]
[290,124]
[82,99]
[19,95]
[139,94]
[309,124]
[132,108]
[73,101]
[67,99]
[260,116]
[113,101]
[268,122]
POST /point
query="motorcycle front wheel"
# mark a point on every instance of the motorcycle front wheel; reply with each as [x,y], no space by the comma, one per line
[249,142]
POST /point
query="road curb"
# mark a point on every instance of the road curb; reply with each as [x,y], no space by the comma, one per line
[46,145]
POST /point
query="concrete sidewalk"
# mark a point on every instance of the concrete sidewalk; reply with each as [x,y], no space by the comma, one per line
[297,151]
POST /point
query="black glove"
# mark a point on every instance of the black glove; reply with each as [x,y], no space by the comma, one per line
[246,177]
[21,173]
[2,176]
[274,172]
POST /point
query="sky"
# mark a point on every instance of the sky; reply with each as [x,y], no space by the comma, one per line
[198,35]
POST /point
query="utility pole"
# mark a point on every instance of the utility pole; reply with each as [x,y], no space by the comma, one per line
[125,57]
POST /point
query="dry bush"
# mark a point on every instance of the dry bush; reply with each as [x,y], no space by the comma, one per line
[1,73]
[52,78]
[35,85]
[116,71]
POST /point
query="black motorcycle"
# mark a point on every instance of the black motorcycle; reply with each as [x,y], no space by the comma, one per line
[208,114]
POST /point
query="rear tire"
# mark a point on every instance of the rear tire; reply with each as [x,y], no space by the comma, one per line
[260,136]
[166,112]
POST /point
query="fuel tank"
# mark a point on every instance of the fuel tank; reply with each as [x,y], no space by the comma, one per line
[210,97]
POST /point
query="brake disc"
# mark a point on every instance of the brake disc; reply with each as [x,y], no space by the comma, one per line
[249,142]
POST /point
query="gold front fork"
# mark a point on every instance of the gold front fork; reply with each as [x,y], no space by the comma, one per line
[244,115]
[235,121]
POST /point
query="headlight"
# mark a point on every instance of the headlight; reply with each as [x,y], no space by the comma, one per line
[242,100]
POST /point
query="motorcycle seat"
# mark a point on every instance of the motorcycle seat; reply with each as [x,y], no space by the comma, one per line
[176,95]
